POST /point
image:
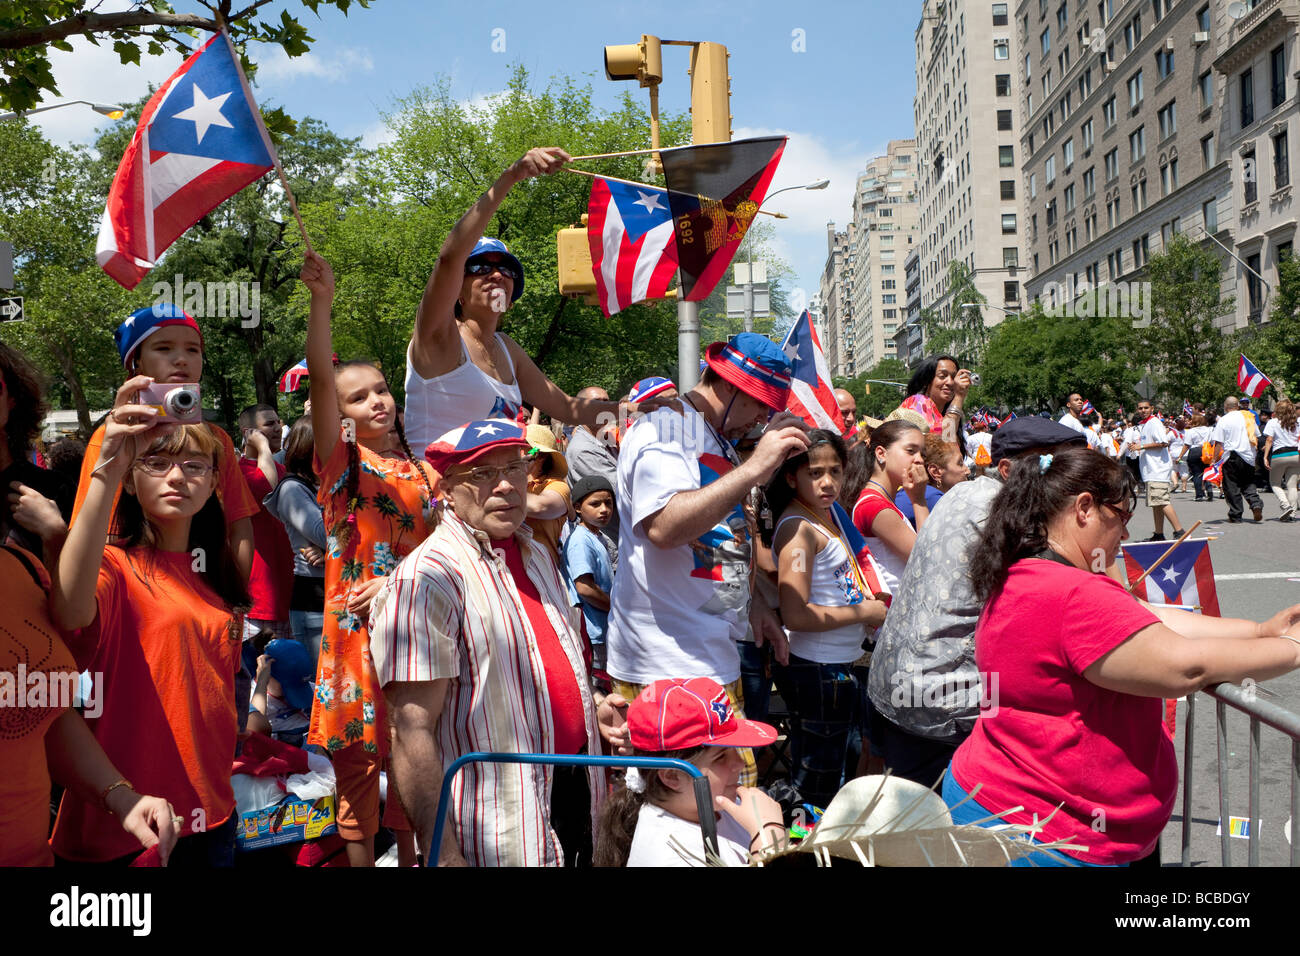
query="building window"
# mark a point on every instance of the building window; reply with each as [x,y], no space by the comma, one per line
[1086,131]
[1135,90]
[1281,161]
[1051,213]
[1063,61]
[1277,61]
[1090,224]
[889,300]
[1067,153]
[1047,82]
[1247,98]
[1252,287]
[1105,10]
[1203,19]
[888,283]
[1010,257]
[1065,106]
[1006,156]
[1069,198]
[999,14]
[1168,177]
[1001,50]
[1003,84]
[1033,185]
[1049,124]
[1108,112]
[1089,183]
[1049,171]
[1062,18]
[1112,164]
[1085,84]
[1164,63]
[1010,292]
[1139,192]
[1008,223]
[1008,189]
[1045,41]
[1207,151]
[1132,33]
[1207,89]
[1249,177]
[1137,144]
[1168,119]
[1139,252]
[1160,7]
[1004,119]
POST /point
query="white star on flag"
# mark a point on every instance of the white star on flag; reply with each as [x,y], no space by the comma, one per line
[488,429]
[205,112]
[649,200]
[1171,574]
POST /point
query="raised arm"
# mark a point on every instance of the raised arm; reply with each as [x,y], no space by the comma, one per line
[325,418]
[435,320]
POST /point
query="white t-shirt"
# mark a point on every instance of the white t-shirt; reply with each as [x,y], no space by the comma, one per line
[1132,438]
[658,832]
[1194,438]
[1072,423]
[1282,439]
[1154,462]
[676,612]
[1232,432]
[975,441]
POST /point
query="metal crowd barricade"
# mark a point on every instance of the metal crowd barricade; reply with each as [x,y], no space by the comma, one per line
[703,796]
[1260,712]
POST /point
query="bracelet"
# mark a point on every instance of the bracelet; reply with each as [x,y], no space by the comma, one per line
[770,823]
[103,796]
[1289,637]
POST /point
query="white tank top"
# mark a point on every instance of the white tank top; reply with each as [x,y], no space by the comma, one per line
[833,584]
[434,406]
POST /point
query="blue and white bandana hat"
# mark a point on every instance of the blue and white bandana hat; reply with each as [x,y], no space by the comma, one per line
[142,323]
[650,387]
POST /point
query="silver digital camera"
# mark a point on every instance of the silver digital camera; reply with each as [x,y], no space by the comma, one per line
[176,403]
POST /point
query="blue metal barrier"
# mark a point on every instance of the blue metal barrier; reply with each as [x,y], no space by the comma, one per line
[1260,712]
[703,795]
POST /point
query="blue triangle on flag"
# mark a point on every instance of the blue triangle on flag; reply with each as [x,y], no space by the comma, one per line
[1173,571]
[642,207]
[207,114]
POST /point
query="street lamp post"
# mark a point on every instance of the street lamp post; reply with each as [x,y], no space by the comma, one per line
[112,112]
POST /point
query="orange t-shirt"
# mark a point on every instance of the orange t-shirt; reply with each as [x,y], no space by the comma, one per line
[28,709]
[168,649]
[547,530]
[232,491]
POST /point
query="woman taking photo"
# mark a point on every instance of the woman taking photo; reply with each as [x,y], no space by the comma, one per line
[937,390]
[1083,666]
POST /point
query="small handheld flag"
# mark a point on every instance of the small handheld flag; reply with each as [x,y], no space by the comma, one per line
[630,231]
[292,380]
[1087,408]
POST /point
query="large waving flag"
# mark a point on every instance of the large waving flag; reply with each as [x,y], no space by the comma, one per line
[1184,579]
[630,229]
[1250,379]
[200,141]
[714,192]
[811,397]
[291,380]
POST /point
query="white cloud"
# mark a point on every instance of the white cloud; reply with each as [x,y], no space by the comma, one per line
[801,239]
[320,64]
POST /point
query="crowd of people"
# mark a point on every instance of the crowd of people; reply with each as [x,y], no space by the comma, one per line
[935,594]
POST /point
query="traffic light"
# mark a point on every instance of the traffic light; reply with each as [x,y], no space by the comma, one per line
[573,256]
[710,94]
[642,61]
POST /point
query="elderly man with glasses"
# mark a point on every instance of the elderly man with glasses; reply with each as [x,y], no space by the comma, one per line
[477,648]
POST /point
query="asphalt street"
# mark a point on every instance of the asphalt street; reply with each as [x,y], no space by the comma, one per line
[1257,573]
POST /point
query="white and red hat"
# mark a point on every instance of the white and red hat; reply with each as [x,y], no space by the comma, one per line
[683,714]
[472,441]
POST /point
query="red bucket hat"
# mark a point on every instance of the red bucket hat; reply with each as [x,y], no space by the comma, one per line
[683,714]
[755,365]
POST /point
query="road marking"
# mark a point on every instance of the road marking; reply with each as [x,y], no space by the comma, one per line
[1261,574]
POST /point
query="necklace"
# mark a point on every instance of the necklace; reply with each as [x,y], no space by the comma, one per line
[872,481]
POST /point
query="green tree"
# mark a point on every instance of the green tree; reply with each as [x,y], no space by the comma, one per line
[1275,346]
[1182,341]
[963,333]
[874,399]
[29,28]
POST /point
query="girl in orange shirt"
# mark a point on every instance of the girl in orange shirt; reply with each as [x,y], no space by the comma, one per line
[375,496]
[159,614]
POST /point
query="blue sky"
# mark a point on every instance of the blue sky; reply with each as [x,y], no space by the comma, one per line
[840,99]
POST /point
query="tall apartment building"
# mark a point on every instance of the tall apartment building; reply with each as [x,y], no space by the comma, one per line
[908,340]
[839,343]
[1258,57]
[1122,138]
[885,215]
[968,143]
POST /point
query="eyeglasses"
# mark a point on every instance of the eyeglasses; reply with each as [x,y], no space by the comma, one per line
[484,267]
[491,476]
[159,465]
[1126,514]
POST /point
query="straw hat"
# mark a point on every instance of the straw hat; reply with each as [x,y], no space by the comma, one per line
[542,439]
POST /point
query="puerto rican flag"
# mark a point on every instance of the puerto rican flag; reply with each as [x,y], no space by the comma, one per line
[1250,379]
[1214,473]
[1184,579]
[1087,408]
[200,141]
[811,397]
[291,380]
[1187,408]
[633,255]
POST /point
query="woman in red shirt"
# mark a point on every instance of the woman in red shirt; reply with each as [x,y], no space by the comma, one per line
[1075,667]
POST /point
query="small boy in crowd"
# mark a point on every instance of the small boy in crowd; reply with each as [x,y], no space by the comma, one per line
[592,558]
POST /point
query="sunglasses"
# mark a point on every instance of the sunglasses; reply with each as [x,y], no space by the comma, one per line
[484,267]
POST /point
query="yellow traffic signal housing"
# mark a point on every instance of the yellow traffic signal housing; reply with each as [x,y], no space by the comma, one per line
[642,61]
[710,94]
[573,256]
[866,389]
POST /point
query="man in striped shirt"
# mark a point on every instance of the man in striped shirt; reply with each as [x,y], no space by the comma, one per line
[477,648]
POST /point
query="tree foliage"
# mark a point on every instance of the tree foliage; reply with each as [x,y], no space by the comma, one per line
[963,332]
[30,28]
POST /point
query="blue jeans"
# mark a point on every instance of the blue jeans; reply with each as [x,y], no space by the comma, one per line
[307,627]
[824,701]
[755,680]
[970,812]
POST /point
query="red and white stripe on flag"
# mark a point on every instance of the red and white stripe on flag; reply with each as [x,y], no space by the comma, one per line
[292,379]
[633,252]
[811,397]
[1250,379]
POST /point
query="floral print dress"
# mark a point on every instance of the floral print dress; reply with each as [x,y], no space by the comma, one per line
[386,523]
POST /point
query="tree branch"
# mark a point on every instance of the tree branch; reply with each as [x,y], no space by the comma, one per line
[101,23]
